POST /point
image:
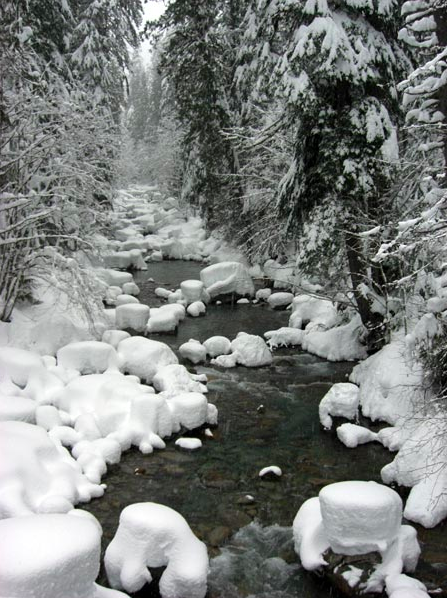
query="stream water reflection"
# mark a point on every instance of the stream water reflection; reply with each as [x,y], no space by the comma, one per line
[209,487]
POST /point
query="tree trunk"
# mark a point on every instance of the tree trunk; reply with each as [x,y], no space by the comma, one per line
[372,321]
[440,15]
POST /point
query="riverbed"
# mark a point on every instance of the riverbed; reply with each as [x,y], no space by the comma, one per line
[267,416]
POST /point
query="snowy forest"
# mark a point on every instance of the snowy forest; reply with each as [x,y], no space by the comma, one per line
[223,298]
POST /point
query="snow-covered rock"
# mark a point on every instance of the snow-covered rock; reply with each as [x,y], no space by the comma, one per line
[189,410]
[162,292]
[51,556]
[192,290]
[360,517]
[307,309]
[125,299]
[88,357]
[134,316]
[251,350]
[280,300]
[143,357]
[36,475]
[14,408]
[217,345]
[161,320]
[310,540]
[227,277]
[130,288]
[263,294]
[188,444]
[113,277]
[174,379]
[352,435]
[18,364]
[342,400]
[114,337]
[270,469]
[193,350]
[195,309]
[284,337]
[153,535]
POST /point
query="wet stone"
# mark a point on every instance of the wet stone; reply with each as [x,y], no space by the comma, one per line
[218,535]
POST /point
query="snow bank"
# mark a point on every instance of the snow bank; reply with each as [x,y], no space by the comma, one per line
[360,517]
[227,277]
[88,357]
[153,535]
[142,357]
[36,475]
[51,556]
[342,400]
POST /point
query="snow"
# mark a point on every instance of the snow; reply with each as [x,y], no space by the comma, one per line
[153,535]
[193,350]
[280,300]
[125,299]
[17,409]
[284,337]
[189,410]
[44,556]
[342,400]
[189,444]
[227,277]
[173,379]
[192,290]
[17,364]
[161,320]
[360,517]
[270,469]
[263,294]
[134,316]
[217,345]
[143,357]
[195,309]
[37,475]
[88,357]
[352,435]
[309,538]
[307,309]
[114,337]
[251,350]
[341,343]
[130,288]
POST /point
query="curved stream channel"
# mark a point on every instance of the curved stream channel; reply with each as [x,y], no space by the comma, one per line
[250,543]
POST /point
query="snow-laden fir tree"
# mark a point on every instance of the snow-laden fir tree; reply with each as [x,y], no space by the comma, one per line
[336,63]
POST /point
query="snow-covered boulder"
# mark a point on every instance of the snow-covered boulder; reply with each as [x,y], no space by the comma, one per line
[114,337]
[175,308]
[340,343]
[174,379]
[18,364]
[352,435]
[263,294]
[162,292]
[217,345]
[14,408]
[282,274]
[113,277]
[88,357]
[342,400]
[133,316]
[227,277]
[143,357]
[307,309]
[195,309]
[284,337]
[251,350]
[130,288]
[310,540]
[189,410]
[51,556]
[194,351]
[161,320]
[192,290]
[124,299]
[36,475]
[360,517]
[280,300]
[153,535]
[188,444]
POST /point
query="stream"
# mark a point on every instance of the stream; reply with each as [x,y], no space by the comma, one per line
[267,416]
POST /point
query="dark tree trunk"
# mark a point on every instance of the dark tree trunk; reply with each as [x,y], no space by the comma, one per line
[440,15]
[372,321]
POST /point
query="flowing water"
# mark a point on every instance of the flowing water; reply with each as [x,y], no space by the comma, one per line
[267,416]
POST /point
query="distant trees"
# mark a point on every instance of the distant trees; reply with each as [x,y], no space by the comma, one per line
[59,128]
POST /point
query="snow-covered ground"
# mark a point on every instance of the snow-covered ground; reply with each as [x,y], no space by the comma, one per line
[76,390]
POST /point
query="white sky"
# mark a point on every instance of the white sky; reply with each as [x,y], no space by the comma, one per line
[151,10]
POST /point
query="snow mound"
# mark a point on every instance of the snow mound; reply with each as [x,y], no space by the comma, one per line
[227,277]
[342,400]
[360,517]
[284,337]
[280,300]
[352,435]
[217,345]
[143,357]
[153,535]
[88,357]
[321,313]
[251,350]
[134,316]
[174,379]
[36,475]
[46,556]
[194,351]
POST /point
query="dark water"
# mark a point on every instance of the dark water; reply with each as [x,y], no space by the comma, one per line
[209,486]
